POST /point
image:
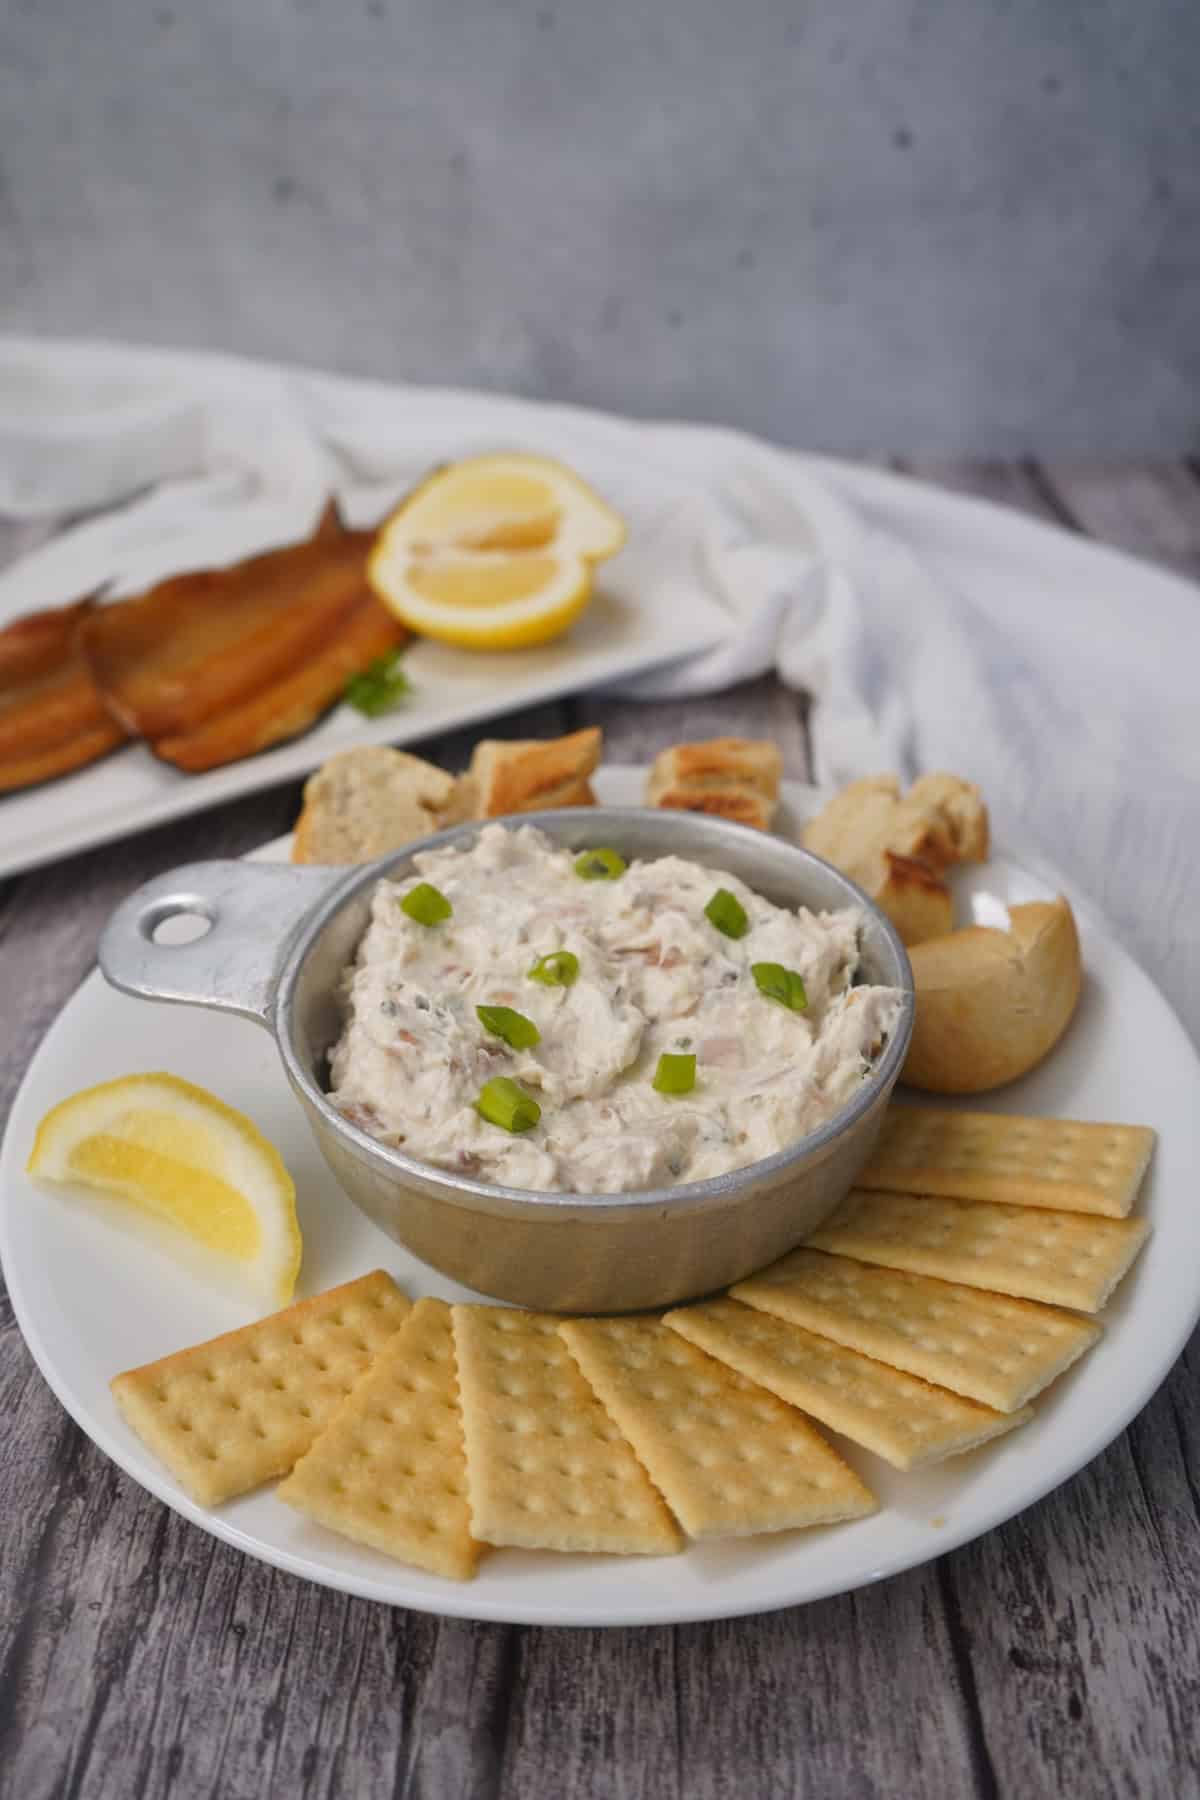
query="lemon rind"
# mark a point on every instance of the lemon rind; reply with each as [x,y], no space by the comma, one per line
[250,1161]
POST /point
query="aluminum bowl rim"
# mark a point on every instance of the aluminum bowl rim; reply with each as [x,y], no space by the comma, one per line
[496,1198]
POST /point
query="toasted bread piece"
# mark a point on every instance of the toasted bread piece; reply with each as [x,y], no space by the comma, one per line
[718,762]
[52,719]
[914,897]
[745,805]
[866,818]
[965,831]
[290,705]
[532,774]
[732,778]
[363,803]
[170,660]
[898,846]
[941,820]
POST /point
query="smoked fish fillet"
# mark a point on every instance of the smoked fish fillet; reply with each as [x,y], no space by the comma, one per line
[52,719]
[290,705]
[193,647]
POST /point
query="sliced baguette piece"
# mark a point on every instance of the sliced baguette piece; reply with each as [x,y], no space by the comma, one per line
[718,762]
[363,803]
[732,778]
[530,775]
[744,805]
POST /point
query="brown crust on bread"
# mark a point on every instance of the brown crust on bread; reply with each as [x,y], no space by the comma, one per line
[718,762]
[731,778]
[745,806]
[915,898]
[532,774]
[897,847]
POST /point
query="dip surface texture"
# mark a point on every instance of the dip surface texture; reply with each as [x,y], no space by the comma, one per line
[655,975]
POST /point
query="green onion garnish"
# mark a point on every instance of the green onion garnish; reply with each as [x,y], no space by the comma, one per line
[558,968]
[727,913]
[600,865]
[512,1026]
[378,687]
[675,1074]
[778,983]
[426,904]
[502,1102]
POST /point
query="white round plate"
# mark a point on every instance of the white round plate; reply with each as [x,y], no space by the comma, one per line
[92,1299]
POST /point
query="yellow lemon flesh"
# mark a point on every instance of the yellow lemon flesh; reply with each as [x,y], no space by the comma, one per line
[495,552]
[178,1153]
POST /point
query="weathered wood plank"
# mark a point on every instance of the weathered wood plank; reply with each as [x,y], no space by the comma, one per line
[1148,509]
[1019,485]
[1088,1674]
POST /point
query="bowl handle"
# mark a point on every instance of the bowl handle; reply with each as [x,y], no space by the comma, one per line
[240,917]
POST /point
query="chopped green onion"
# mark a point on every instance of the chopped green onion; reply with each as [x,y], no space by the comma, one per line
[426,904]
[727,913]
[512,1026]
[675,1074]
[502,1102]
[600,865]
[558,968]
[778,983]
[378,687]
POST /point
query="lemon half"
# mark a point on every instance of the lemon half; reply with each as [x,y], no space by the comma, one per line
[495,552]
[177,1152]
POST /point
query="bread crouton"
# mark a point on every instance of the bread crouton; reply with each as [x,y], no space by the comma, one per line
[733,778]
[365,802]
[529,775]
[897,846]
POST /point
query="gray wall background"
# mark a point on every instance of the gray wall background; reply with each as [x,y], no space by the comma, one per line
[939,225]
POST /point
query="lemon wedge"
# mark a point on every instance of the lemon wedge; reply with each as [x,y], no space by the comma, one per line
[494,552]
[178,1153]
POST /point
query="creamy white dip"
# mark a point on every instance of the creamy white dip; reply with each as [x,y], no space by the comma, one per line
[654,976]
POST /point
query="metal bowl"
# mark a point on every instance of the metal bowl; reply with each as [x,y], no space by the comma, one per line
[278,939]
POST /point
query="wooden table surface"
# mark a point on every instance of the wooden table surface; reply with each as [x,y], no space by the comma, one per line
[1058,1655]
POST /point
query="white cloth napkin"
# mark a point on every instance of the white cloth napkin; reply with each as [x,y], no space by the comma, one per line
[930,635]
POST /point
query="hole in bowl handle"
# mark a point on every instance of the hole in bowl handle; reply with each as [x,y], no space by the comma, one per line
[248,912]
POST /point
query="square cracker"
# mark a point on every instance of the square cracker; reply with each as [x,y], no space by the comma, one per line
[730,1458]
[898,1416]
[229,1414]
[998,1351]
[390,1469]
[1062,1258]
[1063,1164]
[546,1466]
